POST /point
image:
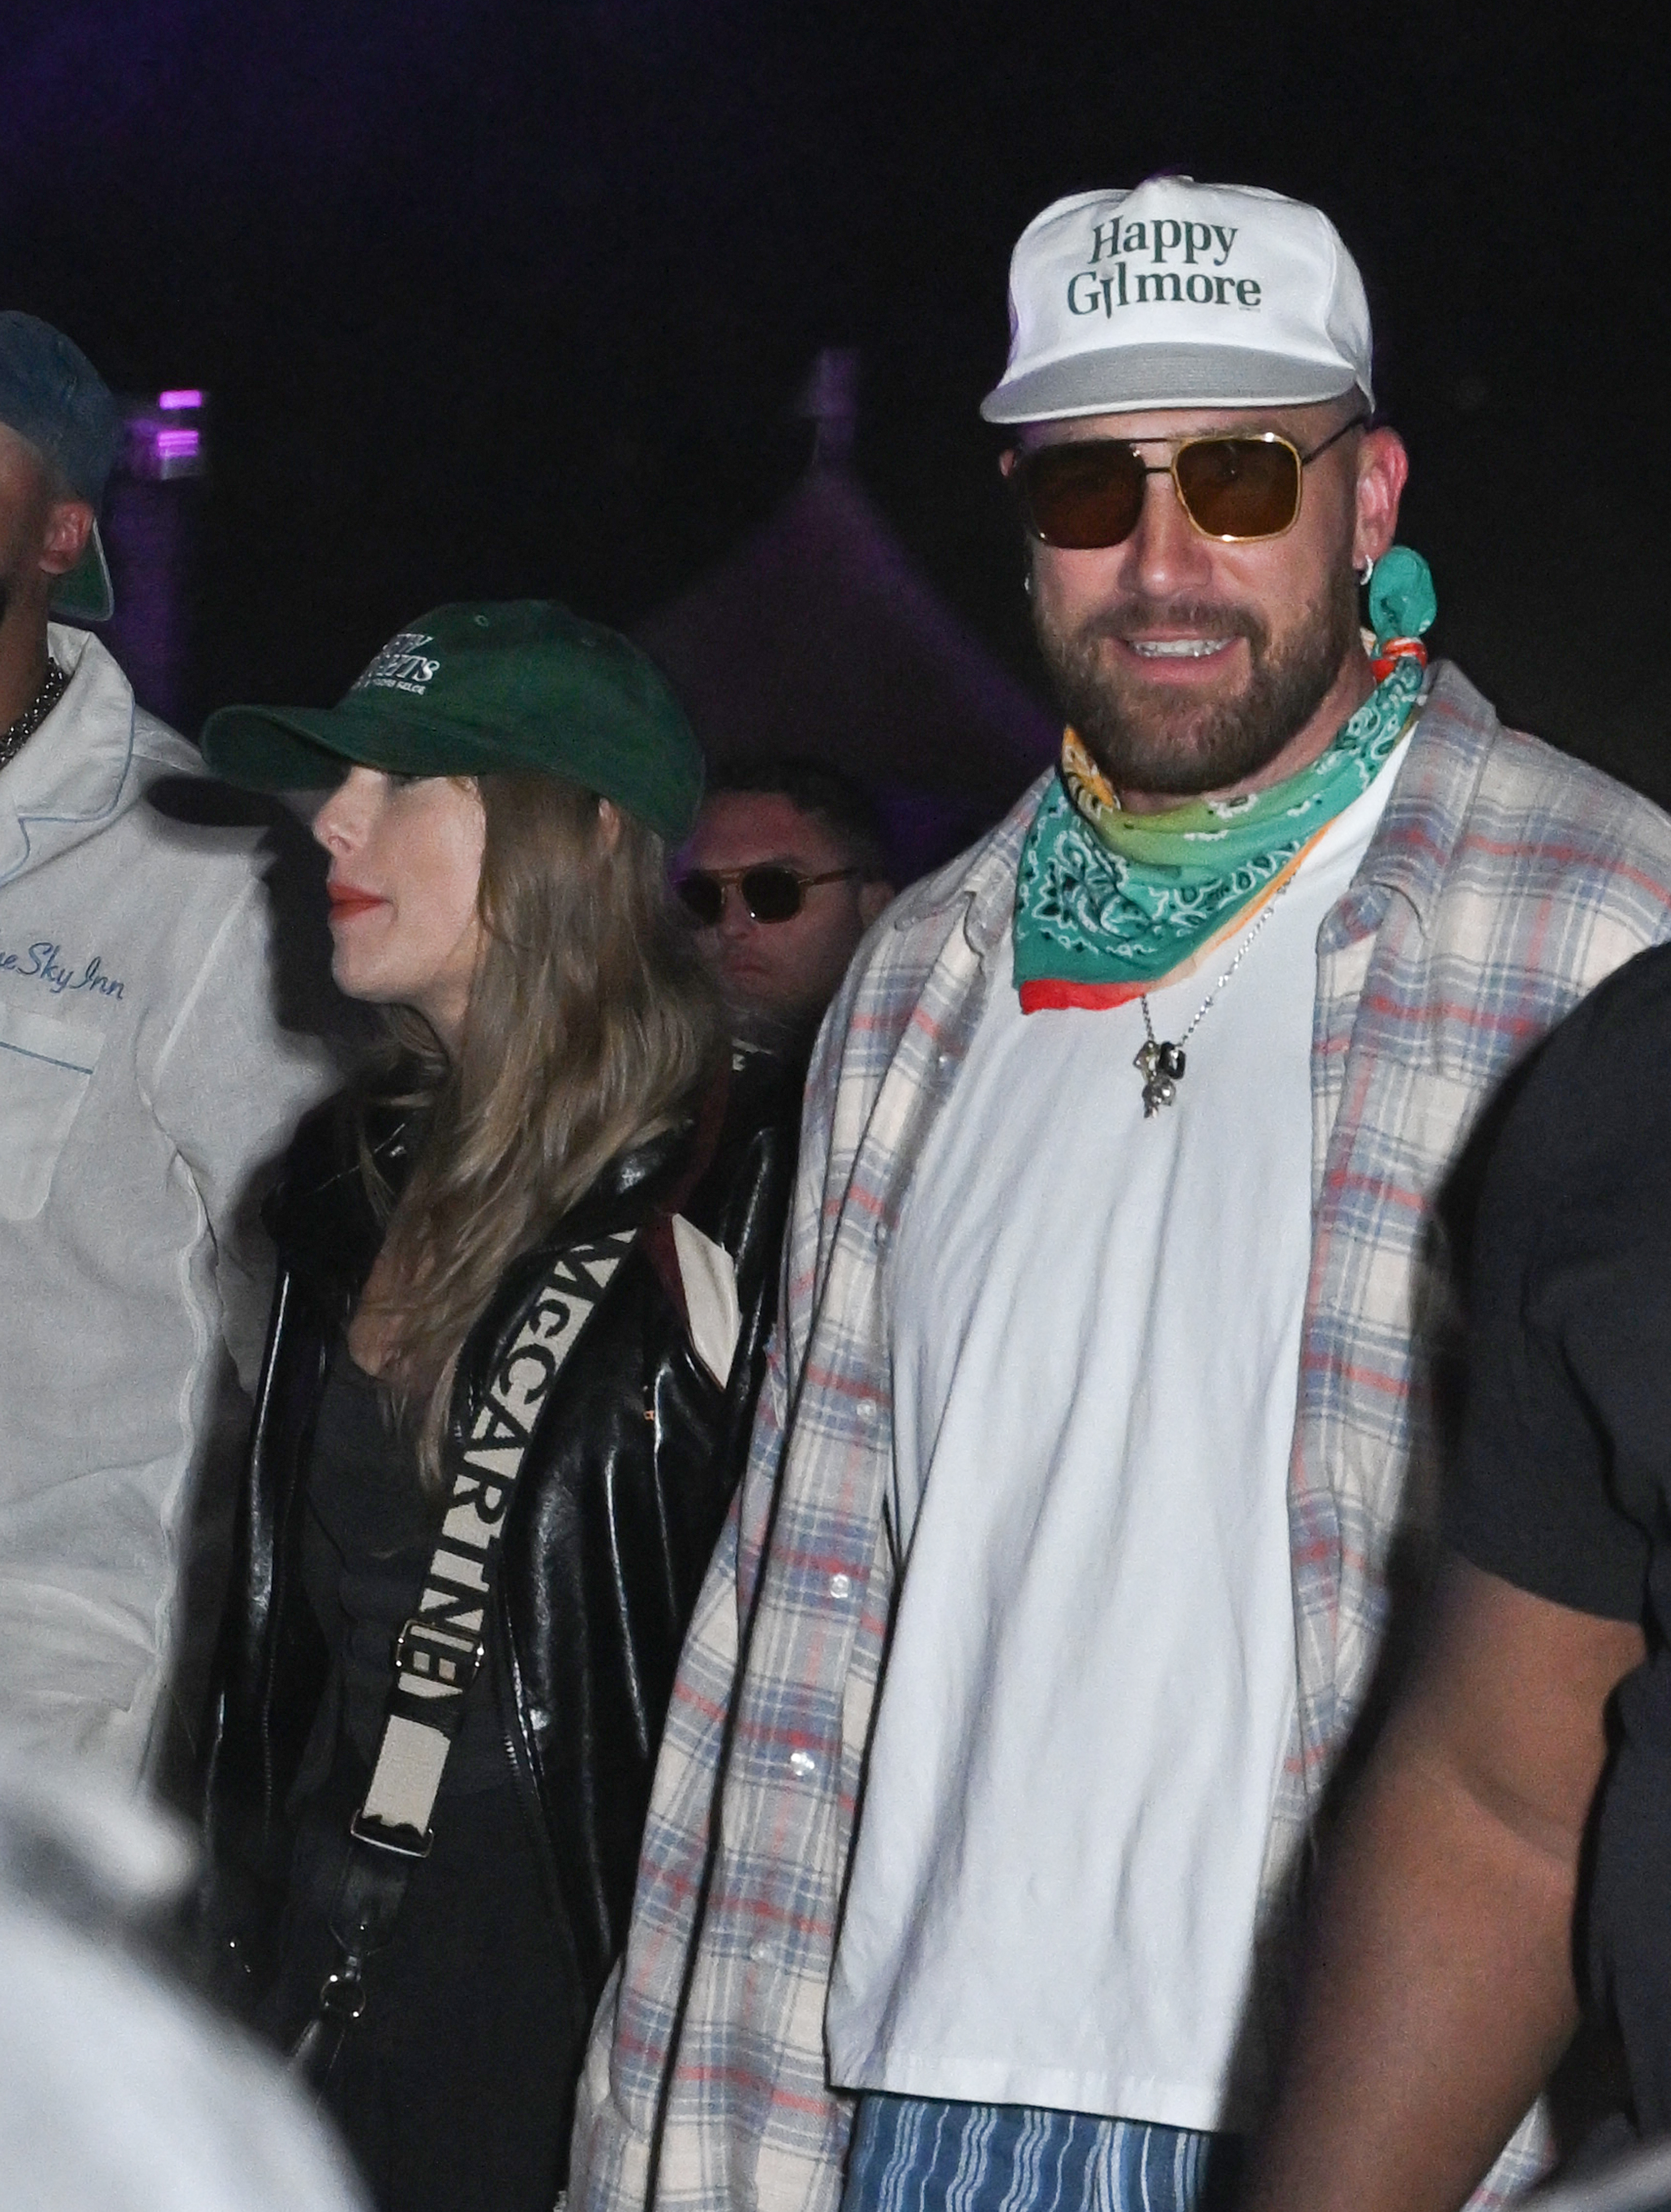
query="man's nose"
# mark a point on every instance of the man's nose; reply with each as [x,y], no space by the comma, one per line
[1165,554]
[735,920]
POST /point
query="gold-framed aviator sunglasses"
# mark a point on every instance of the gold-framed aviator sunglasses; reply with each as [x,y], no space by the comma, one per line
[1235,486]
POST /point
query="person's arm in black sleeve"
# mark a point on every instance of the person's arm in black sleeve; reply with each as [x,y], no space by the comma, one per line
[1438,1991]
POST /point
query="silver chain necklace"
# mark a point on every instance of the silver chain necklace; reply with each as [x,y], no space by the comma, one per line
[52,687]
[1160,1061]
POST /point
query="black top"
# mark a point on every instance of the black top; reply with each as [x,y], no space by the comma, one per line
[1564,1485]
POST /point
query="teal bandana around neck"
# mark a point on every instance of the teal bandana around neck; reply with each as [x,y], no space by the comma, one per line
[1107,902]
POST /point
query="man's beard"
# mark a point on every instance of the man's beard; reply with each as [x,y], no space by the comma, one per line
[1145,738]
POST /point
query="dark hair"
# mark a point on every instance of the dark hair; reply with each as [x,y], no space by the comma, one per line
[839,802]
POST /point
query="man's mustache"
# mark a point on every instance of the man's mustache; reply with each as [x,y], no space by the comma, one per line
[1140,615]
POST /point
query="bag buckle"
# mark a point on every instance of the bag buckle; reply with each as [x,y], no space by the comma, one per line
[405,1843]
[437,1654]
[342,1994]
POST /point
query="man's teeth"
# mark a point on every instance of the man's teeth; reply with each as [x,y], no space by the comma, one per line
[1177,648]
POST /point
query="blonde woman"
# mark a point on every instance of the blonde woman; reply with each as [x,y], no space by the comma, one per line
[525,1285]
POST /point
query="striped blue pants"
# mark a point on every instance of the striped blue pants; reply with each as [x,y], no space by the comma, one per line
[919,2155]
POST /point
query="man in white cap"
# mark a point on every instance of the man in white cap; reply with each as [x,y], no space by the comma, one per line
[1103,1402]
[144,1079]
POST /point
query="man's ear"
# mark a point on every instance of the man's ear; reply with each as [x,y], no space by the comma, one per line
[1382,466]
[63,541]
[872,897]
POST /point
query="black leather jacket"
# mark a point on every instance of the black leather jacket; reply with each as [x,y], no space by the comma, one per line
[626,1484]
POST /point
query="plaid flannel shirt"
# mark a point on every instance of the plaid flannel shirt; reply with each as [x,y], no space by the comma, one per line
[1505,881]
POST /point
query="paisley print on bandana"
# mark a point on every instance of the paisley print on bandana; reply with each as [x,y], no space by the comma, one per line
[1104,907]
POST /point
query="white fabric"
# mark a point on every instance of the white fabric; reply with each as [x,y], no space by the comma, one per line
[143,1080]
[710,1276]
[119,2093]
[1095,1326]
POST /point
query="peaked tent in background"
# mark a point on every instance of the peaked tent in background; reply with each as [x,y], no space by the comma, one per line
[821,638]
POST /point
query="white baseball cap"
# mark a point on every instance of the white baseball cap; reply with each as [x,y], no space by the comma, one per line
[1180,294]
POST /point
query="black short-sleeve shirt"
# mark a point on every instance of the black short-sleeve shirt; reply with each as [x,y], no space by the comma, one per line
[1564,1480]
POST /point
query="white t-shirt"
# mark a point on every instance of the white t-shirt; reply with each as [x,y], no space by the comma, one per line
[1088,1695]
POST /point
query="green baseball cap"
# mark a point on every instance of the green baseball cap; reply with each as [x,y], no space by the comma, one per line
[506,687]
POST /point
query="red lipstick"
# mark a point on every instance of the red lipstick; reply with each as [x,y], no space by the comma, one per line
[346,900]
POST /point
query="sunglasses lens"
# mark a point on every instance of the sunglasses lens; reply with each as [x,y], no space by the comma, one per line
[771,893]
[705,898]
[1081,495]
[1239,487]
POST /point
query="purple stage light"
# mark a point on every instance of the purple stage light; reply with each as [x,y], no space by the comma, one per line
[160,444]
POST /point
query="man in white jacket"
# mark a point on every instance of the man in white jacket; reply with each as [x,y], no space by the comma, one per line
[145,1080]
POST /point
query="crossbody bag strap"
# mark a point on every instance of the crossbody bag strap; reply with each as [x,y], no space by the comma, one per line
[439,1651]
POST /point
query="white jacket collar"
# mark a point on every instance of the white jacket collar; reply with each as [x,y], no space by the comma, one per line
[74,773]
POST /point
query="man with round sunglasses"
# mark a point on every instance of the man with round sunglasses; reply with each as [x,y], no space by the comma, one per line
[1100,1439]
[786,870]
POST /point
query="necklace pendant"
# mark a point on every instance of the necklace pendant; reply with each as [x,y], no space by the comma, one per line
[1159,1091]
[1157,1059]
[1160,1063]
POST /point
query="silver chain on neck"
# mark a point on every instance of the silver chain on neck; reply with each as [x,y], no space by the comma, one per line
[52,688]
[1160,1061]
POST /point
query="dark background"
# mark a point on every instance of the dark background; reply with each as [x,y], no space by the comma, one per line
[506,296]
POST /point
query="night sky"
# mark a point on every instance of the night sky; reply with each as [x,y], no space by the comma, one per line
[497,297]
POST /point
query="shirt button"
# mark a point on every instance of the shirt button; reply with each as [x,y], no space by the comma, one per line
[803,1763]
[840,1585]
[759,1951]
[882,1233]
[866,1410]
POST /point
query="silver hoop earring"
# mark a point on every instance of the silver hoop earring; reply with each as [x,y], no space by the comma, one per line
[1027,583]
[1364,574]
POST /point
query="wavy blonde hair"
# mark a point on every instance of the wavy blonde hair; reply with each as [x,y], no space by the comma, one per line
[590,1027]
